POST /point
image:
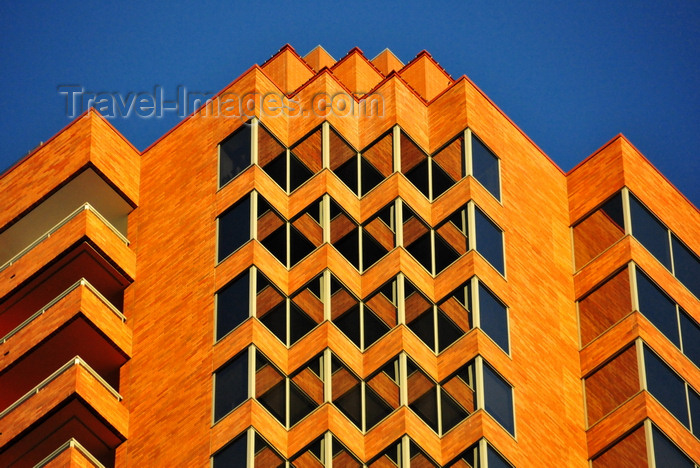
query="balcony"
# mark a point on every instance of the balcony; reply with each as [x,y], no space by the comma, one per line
[73,402]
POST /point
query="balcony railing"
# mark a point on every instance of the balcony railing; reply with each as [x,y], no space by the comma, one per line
[57,226]
[72,443]
[74,286]
[73,362]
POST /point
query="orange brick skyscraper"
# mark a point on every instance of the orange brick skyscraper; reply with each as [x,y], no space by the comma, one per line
[400,279]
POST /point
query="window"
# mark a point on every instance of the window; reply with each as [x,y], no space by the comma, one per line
[498,398]
[289,241]
[233,228]
[666,386]
[666,453]
[686,265]
[650,232]
[362,171]
[289,398]
[657,307]
[489,240]
[493,317]
[485,167]
[364,322]
[230,385]
[289,168]
[289,318]
[234,154]
[365,402]
[363,245]
[232,305]
[439,247]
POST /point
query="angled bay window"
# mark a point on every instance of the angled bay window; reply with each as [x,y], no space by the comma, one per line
[234,154]
[363,245]
[364,322]
[481,454]
[289,168]
[485,167]
[433,175]
[233,228]
[361,171]
[365,402]
[442,406]
[289,398]
[437,248]
[686,265]
[289,318]
[289,241]
[666,453]
[438,326]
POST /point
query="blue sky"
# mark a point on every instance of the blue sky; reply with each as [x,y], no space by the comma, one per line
[571,74]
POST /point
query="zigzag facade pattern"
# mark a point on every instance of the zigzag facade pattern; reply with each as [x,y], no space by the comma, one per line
[139,320]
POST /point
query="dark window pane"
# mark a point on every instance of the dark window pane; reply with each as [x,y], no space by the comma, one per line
[274,400]
[233,455]
[234,154]
[299,323]
[350,403]
[232,305]
[234,228]
[418,176]
[494,318]
[376,408]
[276,243]
[299,246]
[298,173]
[694,411]
[342,457]
[448,332]
[657,307]
[445,255]
[231,385]
[498,399]
[422,326]
[666,454]
[441,181]
[426,407]
[666,386]
[349,324]
[350,248]
[372,250]
[495,460]
[370,177]
[613,209]
[489,240]
[374,327]
[691,338]
[276,321]
[277,169]
[347,172]
[649,231]
[452,413]
[419,458]
[686,266]
[300,405]
[485,165]
[420,249]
